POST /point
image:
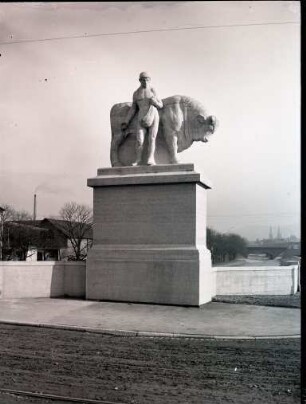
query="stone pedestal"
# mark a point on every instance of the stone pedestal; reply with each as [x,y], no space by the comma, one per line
[150,236]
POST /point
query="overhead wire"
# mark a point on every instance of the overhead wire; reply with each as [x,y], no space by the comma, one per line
[258,214]
[83,36]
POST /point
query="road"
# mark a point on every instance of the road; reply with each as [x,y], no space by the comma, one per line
[143,370]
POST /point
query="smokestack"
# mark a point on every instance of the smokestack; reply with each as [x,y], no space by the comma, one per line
[34,210]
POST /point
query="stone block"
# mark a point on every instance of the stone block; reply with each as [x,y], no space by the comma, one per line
[150,236]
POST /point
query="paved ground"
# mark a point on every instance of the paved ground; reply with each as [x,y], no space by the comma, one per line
[214,319]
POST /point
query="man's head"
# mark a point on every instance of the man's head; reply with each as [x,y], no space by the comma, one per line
[144,79]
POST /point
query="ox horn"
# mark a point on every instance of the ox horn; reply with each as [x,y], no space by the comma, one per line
[213,120]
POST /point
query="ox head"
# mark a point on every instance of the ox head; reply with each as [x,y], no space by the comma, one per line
[208,126]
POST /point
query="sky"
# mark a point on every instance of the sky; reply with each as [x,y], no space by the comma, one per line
[240,59]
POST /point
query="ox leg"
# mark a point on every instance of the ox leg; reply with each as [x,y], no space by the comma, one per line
[116,141]
[172,147]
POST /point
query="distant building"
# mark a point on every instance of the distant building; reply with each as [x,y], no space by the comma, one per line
[270,234]
[279,234]
[292,254]
[42,240]
[279,239]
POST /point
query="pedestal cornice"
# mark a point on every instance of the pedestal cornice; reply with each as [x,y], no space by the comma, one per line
[140,175]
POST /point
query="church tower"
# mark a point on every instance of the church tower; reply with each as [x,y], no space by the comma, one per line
[270,234]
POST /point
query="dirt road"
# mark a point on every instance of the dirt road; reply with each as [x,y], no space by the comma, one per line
[147,370]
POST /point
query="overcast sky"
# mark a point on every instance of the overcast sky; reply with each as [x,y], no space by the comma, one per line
[243,66]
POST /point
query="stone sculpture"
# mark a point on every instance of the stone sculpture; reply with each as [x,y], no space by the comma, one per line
[145,104]
[150,221]
[183,120]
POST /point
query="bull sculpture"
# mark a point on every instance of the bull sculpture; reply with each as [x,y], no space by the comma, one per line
[183,121]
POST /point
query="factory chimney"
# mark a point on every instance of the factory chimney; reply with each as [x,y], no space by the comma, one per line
[34,210]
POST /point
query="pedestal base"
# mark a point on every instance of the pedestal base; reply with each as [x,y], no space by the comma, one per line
[150,237]
[164,276]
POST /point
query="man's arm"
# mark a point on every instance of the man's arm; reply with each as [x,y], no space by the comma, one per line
[131,113]
[155,100]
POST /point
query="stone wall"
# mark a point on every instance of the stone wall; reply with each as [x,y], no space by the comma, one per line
[55,279]
[256,280]
[20,279]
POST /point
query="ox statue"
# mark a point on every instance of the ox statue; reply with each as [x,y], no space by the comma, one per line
[183,121]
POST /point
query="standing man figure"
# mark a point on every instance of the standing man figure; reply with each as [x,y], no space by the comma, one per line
[146,102]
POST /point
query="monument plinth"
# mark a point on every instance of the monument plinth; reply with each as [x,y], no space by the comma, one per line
[149,236]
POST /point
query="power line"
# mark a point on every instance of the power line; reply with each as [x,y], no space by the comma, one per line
[258,215]
[143,32]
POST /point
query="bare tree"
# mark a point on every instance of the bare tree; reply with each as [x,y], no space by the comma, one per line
[77,225]
[11,214]
[12,237]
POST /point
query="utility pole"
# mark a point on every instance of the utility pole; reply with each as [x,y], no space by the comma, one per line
[34,208]
[2,210]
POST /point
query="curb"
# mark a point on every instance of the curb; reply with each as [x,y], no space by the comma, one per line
[148,334]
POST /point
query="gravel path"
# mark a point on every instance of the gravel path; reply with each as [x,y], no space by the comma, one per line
[262,300]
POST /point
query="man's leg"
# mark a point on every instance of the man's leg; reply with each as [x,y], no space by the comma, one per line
[139,146]
[152,141]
